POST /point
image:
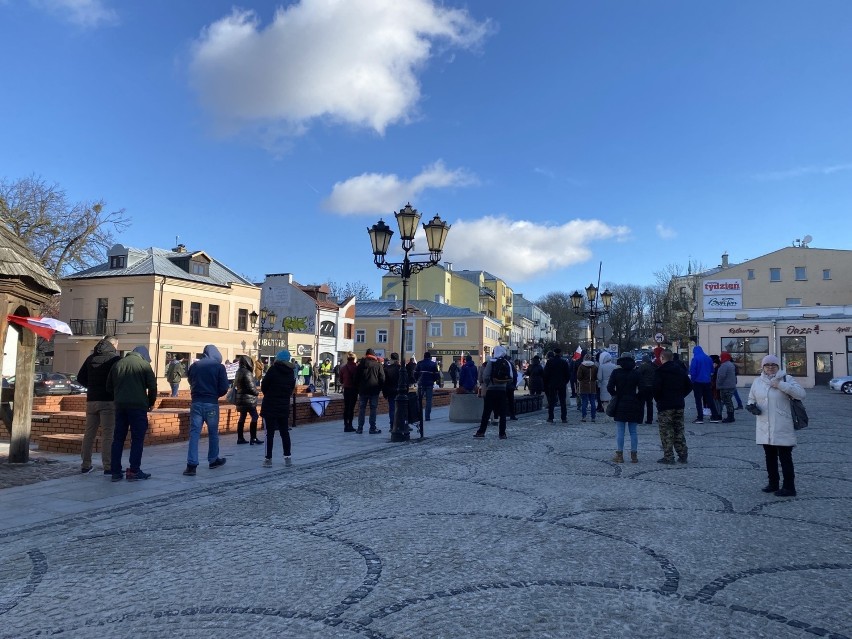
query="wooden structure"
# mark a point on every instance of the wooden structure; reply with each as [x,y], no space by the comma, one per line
[24,286]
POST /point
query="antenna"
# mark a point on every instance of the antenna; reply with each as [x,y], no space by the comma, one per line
[177,240]
[806,240]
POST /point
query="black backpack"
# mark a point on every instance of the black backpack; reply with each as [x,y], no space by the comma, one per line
[501,370]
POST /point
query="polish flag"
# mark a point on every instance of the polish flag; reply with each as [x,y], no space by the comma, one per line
[42,326]
[578,353]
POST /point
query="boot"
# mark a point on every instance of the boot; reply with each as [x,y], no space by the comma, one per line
[770,488]
[634,457]
[729,419]
[619,457]
[788,488]
[241,439]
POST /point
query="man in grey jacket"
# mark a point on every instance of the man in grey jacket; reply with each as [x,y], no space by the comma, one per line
[726,384]
[495,396]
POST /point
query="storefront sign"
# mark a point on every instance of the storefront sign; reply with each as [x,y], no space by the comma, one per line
[457,351]
[716,302]
[303,350]
[722,287]
[743,331]
[803,330]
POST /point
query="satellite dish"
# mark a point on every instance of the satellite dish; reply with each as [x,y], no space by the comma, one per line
[807,240]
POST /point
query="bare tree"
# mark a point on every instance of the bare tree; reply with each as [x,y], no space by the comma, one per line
[64,236]
[627,315]
[557,304]
[679,286]
[341,292]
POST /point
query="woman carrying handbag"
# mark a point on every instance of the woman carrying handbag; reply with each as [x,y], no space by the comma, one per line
[624,385]
[245,399]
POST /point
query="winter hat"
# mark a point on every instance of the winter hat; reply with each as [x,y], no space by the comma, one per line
[143,352]
[770,359]
[725,356]
[499,351]
[283,356]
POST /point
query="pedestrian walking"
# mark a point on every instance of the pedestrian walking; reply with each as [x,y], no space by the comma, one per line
[769,400]
[277,386]
[555,376]
[134,389]
[535,377]
[726,384]
[208,381]
[426,374]
[350,392]
[646,371]
[245,400]
[370,379]
[453,370]
[174,373]
[623,388]
[605,369]
[495,376]
[100,407]
[587,386]
[701,373]
[671,386]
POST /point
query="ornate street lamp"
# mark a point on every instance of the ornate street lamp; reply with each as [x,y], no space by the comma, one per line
[380,236]
[267,323]
[593,312]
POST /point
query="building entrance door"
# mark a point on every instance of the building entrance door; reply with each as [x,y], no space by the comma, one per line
[823,368]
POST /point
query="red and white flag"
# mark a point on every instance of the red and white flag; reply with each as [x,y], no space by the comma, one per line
[578,353]
[42,326]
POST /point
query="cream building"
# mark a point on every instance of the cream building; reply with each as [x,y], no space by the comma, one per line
[174,302]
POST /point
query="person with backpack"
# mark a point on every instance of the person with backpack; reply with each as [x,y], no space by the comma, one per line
[497,373]
[511,386]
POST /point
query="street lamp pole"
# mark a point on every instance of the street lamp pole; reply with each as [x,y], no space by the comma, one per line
[594,312]
[267,323]
[380,235]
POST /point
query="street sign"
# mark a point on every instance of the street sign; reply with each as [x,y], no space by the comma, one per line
[659,338]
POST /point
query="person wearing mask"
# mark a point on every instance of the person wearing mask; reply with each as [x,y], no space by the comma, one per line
[245,400]
[769,400]
[370,379]
[100,407]
[426,375]
[468,375]
[350,392]
[277,386]
[701,373]
[623,389]
[208,381]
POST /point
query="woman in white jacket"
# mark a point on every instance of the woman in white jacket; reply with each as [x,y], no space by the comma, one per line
[604,371]
[769,400]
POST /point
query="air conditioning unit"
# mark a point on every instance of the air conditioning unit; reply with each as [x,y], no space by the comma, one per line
[430,344]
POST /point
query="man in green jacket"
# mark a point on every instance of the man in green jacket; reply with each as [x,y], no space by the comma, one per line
[134,388]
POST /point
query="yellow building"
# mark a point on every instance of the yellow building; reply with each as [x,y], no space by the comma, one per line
[173,302]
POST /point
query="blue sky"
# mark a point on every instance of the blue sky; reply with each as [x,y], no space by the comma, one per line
[552,134]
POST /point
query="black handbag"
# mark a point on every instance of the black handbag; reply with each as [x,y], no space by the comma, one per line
[611,407]
[798,413]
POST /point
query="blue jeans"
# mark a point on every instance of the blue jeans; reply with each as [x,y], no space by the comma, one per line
[619,436]
[425,393]
[199,413]
[589,398]
[175,389]
[136,421]
[373,400]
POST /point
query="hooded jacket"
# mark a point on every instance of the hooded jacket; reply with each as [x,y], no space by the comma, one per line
[587,377]
[132,381]
[623,387]
[468,375]
[392,370]
[208,380]
[774,425]
[370,376]
[604,371]
[277,386]
[646,371]
[671,385]
[557,373]
[535,372]
[245,385]
[701,366]
[95,370]
[726,375]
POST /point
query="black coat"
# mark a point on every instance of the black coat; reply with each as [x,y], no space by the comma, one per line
[391,387]
[535,372]
[557,373]
[245,385]
[369,376]
[277,386]
[671,385]
[624,387]
[95,370]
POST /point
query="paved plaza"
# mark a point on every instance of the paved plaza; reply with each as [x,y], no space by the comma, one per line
[540,535]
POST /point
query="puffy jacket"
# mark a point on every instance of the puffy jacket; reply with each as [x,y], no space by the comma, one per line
[132,381]
[391,387]
[587,378]
[277,386]
[535,372]
[208,380]
[468,375]
[245,385]
[774,425]
[557,373]
[623,386]
[604,371]
[646,370]
[726,375]
[701,366]
[370,377]
[671,385]
[175,372]
[95,370]
[426,372]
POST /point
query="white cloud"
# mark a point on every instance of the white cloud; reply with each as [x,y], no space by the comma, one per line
[84,13]
[382,193]
[353,62]
[665,232]
[802,171]
[521,250]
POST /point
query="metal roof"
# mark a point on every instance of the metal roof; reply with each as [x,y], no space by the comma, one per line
[382,308]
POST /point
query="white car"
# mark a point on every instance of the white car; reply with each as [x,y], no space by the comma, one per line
[843,384]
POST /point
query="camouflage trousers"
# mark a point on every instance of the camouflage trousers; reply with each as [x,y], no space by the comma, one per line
[727,397]
[671,433]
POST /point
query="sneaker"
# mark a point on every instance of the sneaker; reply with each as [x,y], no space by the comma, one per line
[219,461]
[133,476]
[503,436]
[564,421]
[715,420]
[550,421]
[375,431]
[118,477]
[86,471]
[190,470]
[288,461]
[594,421]
[267,462]
[697,421]
[479,435]
[583,419]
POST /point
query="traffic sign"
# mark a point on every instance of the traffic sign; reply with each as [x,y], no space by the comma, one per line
[659,338]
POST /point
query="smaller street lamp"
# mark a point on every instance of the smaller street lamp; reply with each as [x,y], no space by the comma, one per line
[267,323]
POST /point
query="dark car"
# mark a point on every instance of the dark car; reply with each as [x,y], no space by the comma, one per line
[76,387]
[53,384]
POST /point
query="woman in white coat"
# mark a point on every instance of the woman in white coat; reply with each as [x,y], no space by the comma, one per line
[604,371]
[769,400]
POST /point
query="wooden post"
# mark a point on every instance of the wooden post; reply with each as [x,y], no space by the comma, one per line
[19,448]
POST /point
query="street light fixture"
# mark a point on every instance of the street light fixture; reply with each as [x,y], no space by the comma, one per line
[267,323]
[380,236]
[594,312]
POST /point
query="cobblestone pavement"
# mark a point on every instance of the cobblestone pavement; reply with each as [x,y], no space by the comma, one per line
[40,467]
[540,535]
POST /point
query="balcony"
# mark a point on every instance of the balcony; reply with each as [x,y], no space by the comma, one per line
[93,327]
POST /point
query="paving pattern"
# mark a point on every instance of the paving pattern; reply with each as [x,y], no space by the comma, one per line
[540,535]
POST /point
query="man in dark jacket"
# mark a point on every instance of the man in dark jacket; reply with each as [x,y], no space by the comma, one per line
[100,409]
[391,388]
[426,375]
[453,370]
[370,379]
[646,370]
[208,381]
[277,386]
[671,385]
[348,373]
[134,389]
[556,377]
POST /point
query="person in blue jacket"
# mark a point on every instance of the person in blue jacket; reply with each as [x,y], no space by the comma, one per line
[208,381]
[700,372]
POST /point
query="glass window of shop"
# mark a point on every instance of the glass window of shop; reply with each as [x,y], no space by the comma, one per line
[849,355]
[746,352]
[794,356]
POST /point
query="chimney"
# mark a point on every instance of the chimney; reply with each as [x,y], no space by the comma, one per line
[724,260]
[448,266]
[180,248]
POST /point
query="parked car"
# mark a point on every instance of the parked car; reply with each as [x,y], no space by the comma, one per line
[53,384]
[76,387]
[843,384]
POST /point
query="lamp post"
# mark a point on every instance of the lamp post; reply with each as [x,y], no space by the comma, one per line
[380,235]
[267,322]
[594,312]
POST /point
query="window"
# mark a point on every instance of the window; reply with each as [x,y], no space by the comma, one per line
[391,297]
[746,352]
[199,268]
[751,274]
[434,329]
[826,273]
[177,312]
[460,329]
[801,273]
[117,261]
[103,313]
[195,313]
[242,319]
[775,275]
[794,355]
[794,301]
[381,336]
[347,331]
[213,316]
[127,310]
[360,336]
[409,340]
